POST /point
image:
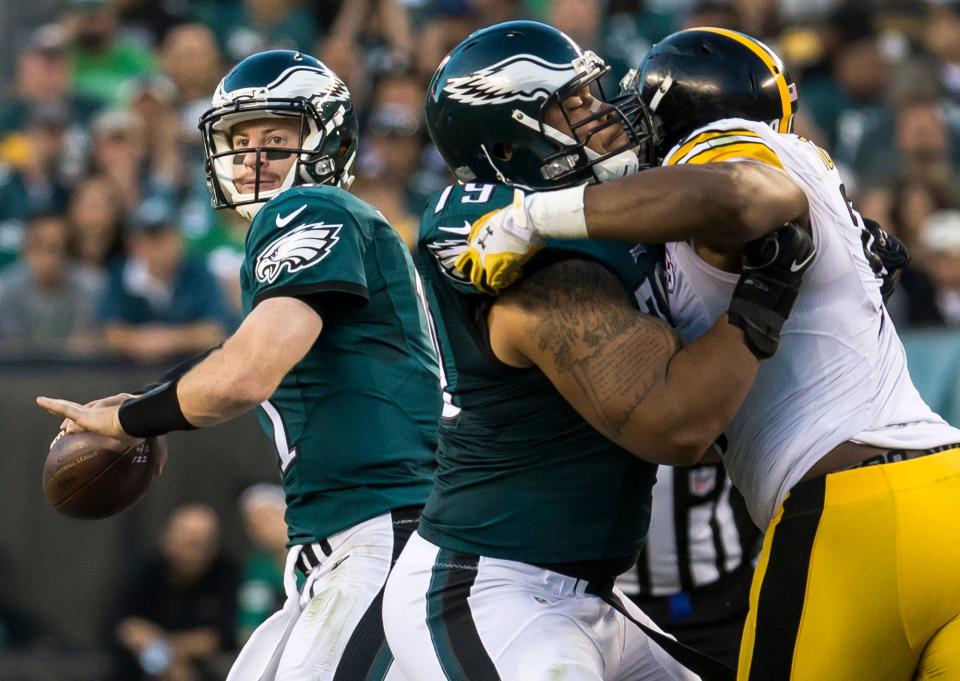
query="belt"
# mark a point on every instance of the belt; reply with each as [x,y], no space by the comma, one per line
[897,455]
[310,556]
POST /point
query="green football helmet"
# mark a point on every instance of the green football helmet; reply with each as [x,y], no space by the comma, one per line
[486,105]
[280,84]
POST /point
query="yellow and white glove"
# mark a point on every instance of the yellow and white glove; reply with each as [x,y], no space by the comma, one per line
[500,243]
[503,241]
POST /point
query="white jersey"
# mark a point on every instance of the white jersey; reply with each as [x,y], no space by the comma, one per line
[840,373]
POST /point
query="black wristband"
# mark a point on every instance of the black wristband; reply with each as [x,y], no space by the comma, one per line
[154,413]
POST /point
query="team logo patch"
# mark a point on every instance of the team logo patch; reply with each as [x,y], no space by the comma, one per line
[703,481]
[521,78]
[298,249]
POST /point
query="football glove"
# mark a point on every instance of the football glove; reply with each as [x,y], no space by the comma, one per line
[888,257]
[500,243]
[772,269]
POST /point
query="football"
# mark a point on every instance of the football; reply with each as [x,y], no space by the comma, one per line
[87,475]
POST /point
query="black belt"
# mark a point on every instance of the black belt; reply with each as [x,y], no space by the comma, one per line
[704,666]
[897,455]
[310,555]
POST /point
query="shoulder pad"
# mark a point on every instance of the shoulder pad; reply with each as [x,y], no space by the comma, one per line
[725,140]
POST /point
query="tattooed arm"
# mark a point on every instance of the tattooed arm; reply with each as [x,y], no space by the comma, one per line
[622,370]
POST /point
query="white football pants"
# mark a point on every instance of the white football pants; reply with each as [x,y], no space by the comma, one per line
[456,617]
[331,629]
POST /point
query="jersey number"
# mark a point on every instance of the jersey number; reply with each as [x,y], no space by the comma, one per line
[476,193]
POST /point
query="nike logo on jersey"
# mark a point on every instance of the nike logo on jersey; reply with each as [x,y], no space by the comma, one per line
[797,266]
[458,230]
[283,222]
[446,251]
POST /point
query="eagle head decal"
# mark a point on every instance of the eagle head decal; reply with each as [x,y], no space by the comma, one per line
[298,249]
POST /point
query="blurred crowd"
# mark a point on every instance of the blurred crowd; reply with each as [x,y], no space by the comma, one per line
[108,243]
[187,605]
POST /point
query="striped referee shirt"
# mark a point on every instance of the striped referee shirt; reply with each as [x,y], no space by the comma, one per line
[699,532]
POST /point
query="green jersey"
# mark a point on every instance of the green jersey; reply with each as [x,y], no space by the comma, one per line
[520,474]
[355,421]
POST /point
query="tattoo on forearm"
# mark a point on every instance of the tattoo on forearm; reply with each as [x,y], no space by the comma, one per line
[585,324]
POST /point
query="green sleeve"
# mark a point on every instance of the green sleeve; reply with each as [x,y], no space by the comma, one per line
[309,247]
[450,213]
[445,226]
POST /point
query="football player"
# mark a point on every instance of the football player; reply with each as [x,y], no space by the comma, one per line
[855,478]
[560,393]
[334,349]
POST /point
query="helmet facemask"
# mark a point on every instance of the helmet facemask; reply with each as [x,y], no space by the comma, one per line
[642,117]
[576,153]
[314,164]
[567,158]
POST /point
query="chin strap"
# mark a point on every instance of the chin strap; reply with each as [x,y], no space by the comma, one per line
[623,164]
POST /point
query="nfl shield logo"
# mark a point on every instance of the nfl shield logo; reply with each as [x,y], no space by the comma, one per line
[703,480]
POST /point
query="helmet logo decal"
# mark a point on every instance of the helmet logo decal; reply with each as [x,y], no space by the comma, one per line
[333,88]
[298,249]
[298,80]
[523,77]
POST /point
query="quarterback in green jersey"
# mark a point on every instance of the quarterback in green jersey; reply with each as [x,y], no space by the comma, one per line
[560,395]
[335,349]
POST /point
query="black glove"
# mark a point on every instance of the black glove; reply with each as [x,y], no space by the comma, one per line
[887,255]
[773,266]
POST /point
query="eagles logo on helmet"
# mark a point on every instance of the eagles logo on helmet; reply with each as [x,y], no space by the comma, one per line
[280,84]
[486,108]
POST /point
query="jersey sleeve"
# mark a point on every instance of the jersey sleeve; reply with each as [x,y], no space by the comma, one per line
[450,214]
[446,222]
[730,140]
[311,248]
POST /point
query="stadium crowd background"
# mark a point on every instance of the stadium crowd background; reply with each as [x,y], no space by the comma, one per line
[109,247]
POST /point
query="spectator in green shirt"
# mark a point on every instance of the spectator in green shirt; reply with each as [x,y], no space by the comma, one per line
[102,62]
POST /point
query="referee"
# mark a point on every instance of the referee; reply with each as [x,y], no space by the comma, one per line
[693,577]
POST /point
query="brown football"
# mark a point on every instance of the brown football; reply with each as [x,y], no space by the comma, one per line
[87,475]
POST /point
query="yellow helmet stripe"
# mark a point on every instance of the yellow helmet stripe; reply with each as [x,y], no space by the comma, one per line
[770,60]
[704,137]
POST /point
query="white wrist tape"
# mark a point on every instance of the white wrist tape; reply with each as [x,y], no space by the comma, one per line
[558,214]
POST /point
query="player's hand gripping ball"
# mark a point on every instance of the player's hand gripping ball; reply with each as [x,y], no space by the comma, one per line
[87,475]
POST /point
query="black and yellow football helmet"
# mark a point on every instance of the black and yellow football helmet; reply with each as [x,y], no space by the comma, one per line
[700,75]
